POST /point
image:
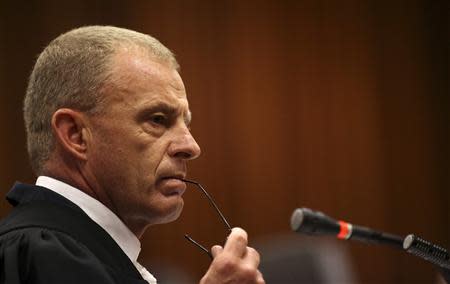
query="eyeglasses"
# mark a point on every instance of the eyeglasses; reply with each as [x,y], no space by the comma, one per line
[213,204]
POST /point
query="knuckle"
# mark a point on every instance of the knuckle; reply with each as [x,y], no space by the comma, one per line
[227,265]
[249,273]
[253,252]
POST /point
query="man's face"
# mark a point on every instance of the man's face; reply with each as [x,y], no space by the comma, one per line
[141,142]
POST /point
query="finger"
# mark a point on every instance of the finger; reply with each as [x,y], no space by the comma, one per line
[252,257]
[237,242]
[216,250]
[260,278]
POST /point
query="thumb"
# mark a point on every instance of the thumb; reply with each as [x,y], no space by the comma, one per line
[215,250]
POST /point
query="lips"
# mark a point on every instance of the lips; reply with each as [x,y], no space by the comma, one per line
[172,185]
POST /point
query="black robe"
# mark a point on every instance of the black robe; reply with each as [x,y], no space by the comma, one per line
[47,239]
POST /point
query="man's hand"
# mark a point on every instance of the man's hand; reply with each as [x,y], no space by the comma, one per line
[235,263]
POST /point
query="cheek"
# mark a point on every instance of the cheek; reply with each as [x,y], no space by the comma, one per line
[108,163]
[152,152]
[129,155]
[108,154]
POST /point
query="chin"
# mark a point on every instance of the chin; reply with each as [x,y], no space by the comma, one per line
[171,216]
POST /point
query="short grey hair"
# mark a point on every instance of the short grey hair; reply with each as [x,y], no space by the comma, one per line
[70,73]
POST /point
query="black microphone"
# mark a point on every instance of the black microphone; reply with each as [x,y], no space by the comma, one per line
[305,220]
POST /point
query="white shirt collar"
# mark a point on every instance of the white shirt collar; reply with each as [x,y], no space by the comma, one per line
[99,213]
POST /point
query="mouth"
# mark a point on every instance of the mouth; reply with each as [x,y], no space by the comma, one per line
[172,185]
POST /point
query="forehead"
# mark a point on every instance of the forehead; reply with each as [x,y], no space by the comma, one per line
[137,77]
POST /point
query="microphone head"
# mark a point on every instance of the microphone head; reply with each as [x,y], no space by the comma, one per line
[305,220]
[427,250]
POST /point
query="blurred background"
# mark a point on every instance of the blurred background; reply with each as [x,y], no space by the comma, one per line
[340,106]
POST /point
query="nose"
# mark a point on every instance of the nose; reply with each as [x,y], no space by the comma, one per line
[184,145]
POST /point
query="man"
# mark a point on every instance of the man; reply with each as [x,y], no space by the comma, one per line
[107,123]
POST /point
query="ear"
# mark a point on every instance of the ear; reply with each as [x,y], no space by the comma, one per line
[69,127]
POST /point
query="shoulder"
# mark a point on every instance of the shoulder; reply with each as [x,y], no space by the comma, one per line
[38,255]
[59,244]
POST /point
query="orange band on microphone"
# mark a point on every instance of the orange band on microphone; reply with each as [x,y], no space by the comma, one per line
[345,230]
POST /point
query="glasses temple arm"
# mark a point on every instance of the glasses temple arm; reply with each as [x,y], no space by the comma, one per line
[211,201]
[199,246]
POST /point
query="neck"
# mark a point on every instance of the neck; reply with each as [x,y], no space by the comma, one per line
[82,179]
[70,177]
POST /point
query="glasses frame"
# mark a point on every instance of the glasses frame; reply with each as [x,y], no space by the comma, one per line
[216,208]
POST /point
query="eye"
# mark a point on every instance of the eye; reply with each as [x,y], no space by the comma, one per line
[159,119]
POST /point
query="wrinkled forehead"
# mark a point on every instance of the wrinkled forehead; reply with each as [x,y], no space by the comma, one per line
[140,83]
[137,68]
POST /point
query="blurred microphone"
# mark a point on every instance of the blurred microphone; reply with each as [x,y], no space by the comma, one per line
[305,220]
